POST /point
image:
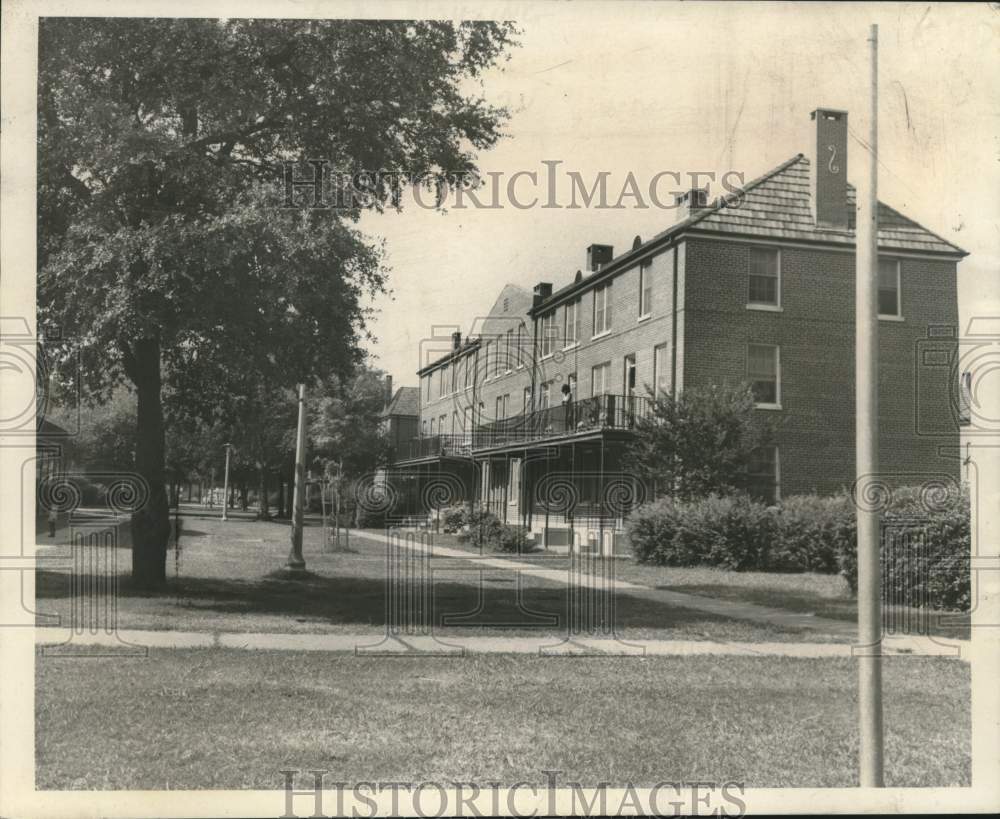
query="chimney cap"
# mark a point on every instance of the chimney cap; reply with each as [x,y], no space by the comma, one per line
[836,112]
[694,198]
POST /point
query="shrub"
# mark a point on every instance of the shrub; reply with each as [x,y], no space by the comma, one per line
[512,539]
[484,529]
[925,557]
[811,532]
[453,518]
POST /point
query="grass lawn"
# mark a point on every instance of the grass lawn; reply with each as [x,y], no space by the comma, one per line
[229,719]
[229,577]
[824,595]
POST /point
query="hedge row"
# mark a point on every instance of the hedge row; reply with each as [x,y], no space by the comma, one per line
[925,557]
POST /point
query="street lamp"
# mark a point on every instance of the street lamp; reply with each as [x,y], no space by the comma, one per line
[225,484]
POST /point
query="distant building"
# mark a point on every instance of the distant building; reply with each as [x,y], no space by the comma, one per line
[532,411]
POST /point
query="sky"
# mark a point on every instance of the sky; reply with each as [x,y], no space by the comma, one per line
[646,88]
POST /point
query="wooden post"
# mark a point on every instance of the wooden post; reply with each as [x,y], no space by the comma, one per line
[296,562]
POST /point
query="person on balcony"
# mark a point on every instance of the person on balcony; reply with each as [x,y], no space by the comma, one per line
[567,402]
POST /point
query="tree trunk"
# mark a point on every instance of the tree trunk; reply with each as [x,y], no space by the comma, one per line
[150,522]
[264,513]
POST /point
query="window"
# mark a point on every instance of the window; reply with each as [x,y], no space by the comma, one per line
[469,369]
[498,412]
[454,422]
[763,476]
[486,359]
[526,400]
[763,371]
[661,370]
[571,380]
[645,289]
[571,323]
[432,426]
[442,380]
[888,288]
[520,346]
[602,309]
[423,427]
[765,278]
[600,377]
[543,398]
[548,333]
[427,387]
[508,364]
[454,377]
[441,422]
[498,362]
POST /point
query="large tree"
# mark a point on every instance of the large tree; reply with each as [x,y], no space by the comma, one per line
[162,237]
[699,442]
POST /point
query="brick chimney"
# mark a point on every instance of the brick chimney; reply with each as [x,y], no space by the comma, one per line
[828,169]
[456,340]
[542,291]
[598,256]
[690,202]
[388,390]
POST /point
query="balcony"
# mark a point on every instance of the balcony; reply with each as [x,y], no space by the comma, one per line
[602,412]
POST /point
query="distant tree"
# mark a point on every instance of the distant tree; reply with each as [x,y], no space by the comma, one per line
[345,423]
[699,442]
[162,241]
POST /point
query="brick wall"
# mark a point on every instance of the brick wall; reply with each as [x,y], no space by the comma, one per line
[815,332]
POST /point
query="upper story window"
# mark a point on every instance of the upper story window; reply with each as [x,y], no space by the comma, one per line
[645,289]
[509,351]
[547,329]
[519,353]
[889,302]
[571,323]
[764,374]
[764,288]
[600,377]
[544,394]
[468,370]
[442,380]
[602,309]
[487,348]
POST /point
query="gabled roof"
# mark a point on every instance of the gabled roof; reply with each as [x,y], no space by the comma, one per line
[406,401]
[776,206]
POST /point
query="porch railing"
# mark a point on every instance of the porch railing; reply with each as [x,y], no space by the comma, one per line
[602,412]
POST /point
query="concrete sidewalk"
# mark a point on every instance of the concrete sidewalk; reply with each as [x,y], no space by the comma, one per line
[131,641]
[735,610]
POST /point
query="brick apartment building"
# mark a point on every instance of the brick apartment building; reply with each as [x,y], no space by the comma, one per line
[757,287]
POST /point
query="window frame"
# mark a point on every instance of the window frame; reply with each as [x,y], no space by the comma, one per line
[776,405]
[898,315]
[547,334]
[605,312]
[569,342]
[763,305]
[645,289]
[605,368]
[754,477]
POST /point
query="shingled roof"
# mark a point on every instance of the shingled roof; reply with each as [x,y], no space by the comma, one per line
[406,401]
[776,206]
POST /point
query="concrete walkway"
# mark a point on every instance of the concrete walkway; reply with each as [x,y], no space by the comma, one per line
[137,642]
[781,618]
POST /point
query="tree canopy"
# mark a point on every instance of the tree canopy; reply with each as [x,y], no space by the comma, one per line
[166,255]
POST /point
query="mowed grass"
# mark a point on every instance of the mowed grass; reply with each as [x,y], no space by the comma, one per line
[230,719]
[824,595]
[230,577]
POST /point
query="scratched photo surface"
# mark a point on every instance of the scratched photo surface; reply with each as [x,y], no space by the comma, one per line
[579,408]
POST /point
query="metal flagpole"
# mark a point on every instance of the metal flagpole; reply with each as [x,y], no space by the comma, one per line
[296,562]
[866,455]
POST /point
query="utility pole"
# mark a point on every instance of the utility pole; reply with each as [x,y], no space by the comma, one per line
[866,457]
[296,562]
[225,484]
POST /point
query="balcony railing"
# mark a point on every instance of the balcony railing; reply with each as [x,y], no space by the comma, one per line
[602,412]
